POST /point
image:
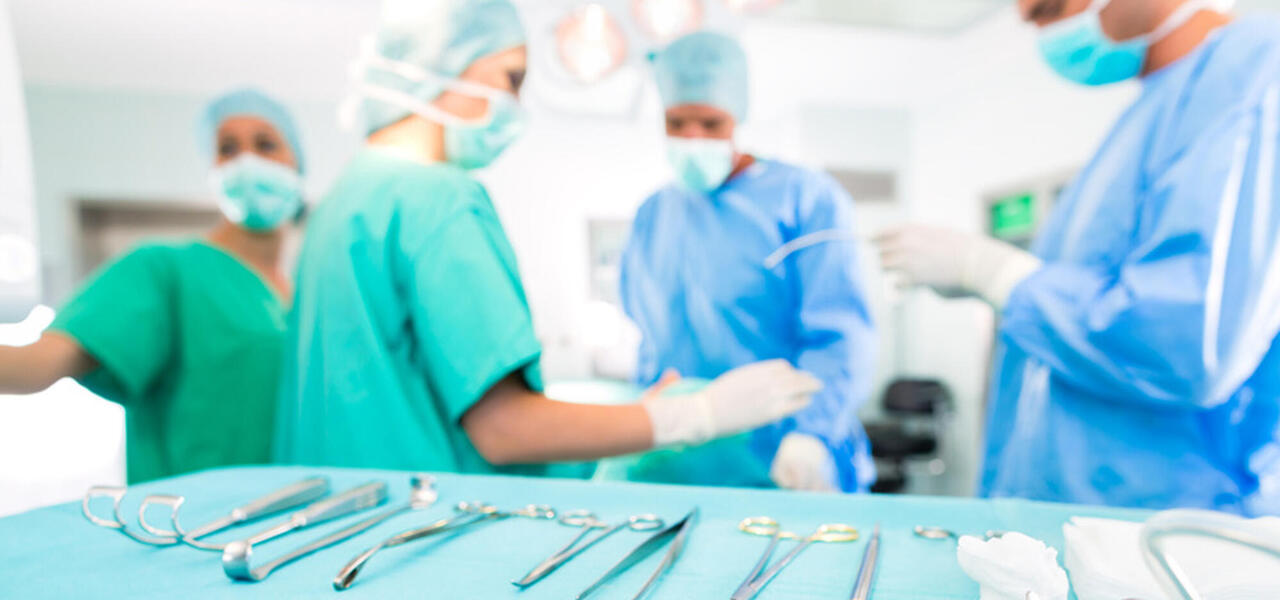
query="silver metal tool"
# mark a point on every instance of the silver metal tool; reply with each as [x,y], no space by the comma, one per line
[867,571]
[290,496]
[939,533]
[588,522]
[676,535]
[422,495]
[470,514]
[349,502]
[834,533]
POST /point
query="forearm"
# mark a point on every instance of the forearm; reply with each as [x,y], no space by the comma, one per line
[518,426]
[31,369]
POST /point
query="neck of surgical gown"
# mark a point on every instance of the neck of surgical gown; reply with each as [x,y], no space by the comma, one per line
[696,283]
[1138,367]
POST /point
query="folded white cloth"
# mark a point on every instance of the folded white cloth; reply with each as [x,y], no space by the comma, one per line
[1105,560]
[1013,567]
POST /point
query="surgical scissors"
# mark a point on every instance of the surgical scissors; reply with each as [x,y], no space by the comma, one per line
[292,495]
[422,495]
[677,535]
[759,577]
[588,521]
[471,513]
[939,533]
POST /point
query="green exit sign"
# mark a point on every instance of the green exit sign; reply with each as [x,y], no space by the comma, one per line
[1013,217]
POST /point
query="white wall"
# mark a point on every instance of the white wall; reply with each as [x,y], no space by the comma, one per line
[973,112]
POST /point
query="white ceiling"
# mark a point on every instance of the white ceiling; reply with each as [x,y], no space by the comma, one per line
[303,46]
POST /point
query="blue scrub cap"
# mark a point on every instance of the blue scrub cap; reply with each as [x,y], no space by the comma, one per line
[249,102]
[439,36]
[703,68]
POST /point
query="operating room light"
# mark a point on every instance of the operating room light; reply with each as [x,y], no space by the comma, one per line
[667,19]
[591,43]
[750,6]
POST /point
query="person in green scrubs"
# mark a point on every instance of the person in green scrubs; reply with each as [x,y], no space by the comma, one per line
[411,344]
[187,335]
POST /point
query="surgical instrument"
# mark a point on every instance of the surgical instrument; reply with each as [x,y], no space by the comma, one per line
[1171,576]
[939,533]
[349,502]
[422,494]
[472,513]
[677,535]
[867,571]
[588,522]
[290,496]
[833,533]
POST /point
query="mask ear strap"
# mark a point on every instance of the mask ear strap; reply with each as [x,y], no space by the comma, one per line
[1179,18]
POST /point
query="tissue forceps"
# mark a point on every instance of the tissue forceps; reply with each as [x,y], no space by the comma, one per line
[588,522]
[470,514]
[677,535]
[832,533]
[282,499]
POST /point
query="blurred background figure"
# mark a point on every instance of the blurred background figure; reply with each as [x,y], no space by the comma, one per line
[412,345]
[186,335]
[744,259]
[1137,365]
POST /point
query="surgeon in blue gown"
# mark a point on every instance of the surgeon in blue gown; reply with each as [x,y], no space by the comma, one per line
[744,259]
[1137,363]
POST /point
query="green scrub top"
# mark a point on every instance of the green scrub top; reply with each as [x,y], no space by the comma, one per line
[189,340]
[409,308]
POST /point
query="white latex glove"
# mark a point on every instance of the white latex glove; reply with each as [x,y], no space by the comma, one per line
[955,263]
[804,463]
[740,400]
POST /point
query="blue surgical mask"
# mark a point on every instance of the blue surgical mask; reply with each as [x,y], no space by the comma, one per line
[257,193]
[1079,50]
[701,165]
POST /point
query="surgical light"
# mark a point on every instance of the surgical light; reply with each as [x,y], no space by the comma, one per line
[668,19]
[591,43]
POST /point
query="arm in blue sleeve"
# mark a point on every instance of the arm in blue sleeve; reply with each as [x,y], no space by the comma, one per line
[1187,315]
[836,338]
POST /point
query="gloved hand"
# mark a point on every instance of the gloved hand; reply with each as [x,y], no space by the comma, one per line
[804,463]
[955,263]
[740,400]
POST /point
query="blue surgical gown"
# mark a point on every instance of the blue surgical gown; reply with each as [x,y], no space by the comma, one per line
[695,282]
[1138,367]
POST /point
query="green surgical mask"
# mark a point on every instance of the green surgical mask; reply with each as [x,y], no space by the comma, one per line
[257,193]
[701,165]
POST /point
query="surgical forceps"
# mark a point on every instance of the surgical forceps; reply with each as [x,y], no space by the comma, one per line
[290,496]
[422,495]
[756,581]
[867,570]
[470,514]
[588,522]
[677,535]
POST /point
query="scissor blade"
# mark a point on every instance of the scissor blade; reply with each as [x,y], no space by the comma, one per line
[748,589]
[641,552]
[673,554]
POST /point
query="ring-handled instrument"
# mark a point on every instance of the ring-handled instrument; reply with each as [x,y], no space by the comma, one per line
[347,503]
[760,576]
[867,570]
[940,533]
[675,537]
[588,521]
[290,496]
[469,514]
[422,494]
